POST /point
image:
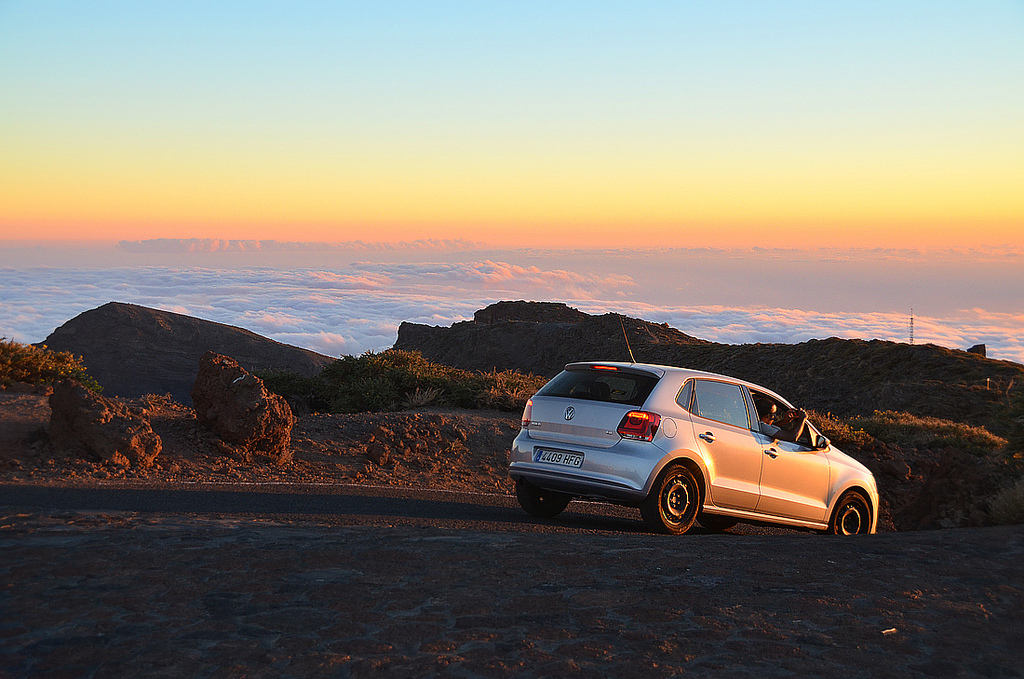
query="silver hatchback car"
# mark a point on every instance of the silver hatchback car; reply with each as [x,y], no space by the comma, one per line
[683,446]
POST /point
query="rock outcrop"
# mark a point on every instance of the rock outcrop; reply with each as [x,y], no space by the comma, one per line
[538,338]
[235,405]
[104,429]
[134,350]
[845,377]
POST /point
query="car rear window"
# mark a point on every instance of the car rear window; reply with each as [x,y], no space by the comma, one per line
[601,385]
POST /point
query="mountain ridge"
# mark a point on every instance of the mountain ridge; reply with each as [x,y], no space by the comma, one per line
[842,376]
[132,350]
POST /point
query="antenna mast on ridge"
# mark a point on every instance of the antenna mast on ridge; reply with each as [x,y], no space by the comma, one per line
[631,359]
[911,325]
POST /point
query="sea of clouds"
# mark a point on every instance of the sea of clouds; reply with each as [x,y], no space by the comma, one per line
[348,308]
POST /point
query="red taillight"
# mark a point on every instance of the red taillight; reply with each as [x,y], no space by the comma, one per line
[527,413]
[640,425]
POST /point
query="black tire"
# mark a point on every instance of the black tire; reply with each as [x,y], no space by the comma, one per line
[716,522]
[544,504]
[852,515]
[673,503]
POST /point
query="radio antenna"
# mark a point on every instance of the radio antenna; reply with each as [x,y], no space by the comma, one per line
[631,359]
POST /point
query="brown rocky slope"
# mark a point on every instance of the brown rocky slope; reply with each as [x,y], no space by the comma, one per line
[133,350]
[845,377]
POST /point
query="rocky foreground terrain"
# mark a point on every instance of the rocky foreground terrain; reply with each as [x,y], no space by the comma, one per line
[460,450]
[432,448]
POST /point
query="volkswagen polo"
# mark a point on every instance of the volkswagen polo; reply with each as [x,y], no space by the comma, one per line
[683,446]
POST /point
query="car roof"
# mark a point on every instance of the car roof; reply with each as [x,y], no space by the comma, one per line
[662,370]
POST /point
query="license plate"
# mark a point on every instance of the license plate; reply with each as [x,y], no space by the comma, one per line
[566,459]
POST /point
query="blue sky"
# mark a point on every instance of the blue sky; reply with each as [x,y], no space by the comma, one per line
[689,122]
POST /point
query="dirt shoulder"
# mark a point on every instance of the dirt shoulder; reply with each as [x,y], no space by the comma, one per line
[456,450]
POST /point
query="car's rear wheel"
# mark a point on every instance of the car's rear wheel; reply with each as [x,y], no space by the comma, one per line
[539,502]
[673,503]
[852,515]
[716,522]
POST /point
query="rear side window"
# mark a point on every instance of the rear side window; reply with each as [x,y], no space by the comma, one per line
[685,395]
[601,385]
[721,402]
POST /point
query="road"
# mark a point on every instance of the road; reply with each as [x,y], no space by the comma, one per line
[327,504]
[348,505]
[296,581]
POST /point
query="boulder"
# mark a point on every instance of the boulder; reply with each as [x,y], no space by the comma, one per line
[237,407]
[83,420]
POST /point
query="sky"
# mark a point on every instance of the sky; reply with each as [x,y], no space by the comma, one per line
[320,172]
[526,124]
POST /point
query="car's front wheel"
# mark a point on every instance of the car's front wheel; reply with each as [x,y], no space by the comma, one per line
[852,515]
[673,503]
[539,502]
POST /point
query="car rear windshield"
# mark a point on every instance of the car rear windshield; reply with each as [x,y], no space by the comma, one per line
[611,386]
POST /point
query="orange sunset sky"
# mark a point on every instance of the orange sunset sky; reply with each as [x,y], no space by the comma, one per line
[523,124]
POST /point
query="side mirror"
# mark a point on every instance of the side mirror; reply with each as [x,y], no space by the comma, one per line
[821,442]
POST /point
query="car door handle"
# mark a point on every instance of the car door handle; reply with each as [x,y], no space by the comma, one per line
[708,436]
[771,453]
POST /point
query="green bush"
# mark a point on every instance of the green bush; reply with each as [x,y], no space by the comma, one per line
[839,431]
[395,379]
[1011,417]
[312,392]
[912,431]
[39,365]
[1008,506]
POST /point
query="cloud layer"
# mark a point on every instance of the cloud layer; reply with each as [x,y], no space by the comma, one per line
[359,307]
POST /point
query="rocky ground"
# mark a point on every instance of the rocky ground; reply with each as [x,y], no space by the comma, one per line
[462,450]
[458,450]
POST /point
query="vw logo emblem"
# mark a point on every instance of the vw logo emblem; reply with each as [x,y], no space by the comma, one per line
[570,413]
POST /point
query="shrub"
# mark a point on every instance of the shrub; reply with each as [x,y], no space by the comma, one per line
[1008,506]
[39,365]
[420,399]
[1011,417]
[311,392]
[395,379]
[839,431]
[912,431]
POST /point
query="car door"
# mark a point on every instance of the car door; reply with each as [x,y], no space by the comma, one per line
[721,428]
[794,480]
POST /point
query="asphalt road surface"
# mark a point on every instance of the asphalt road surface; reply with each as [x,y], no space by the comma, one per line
[349,581]
[330,504]
[349,505]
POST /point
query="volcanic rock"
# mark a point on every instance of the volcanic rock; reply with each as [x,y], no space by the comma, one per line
[840,376]
[108,430]
[538,338]
[134,350]
[236,406]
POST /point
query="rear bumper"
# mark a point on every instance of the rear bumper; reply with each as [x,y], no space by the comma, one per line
[619,473]
[567,482]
